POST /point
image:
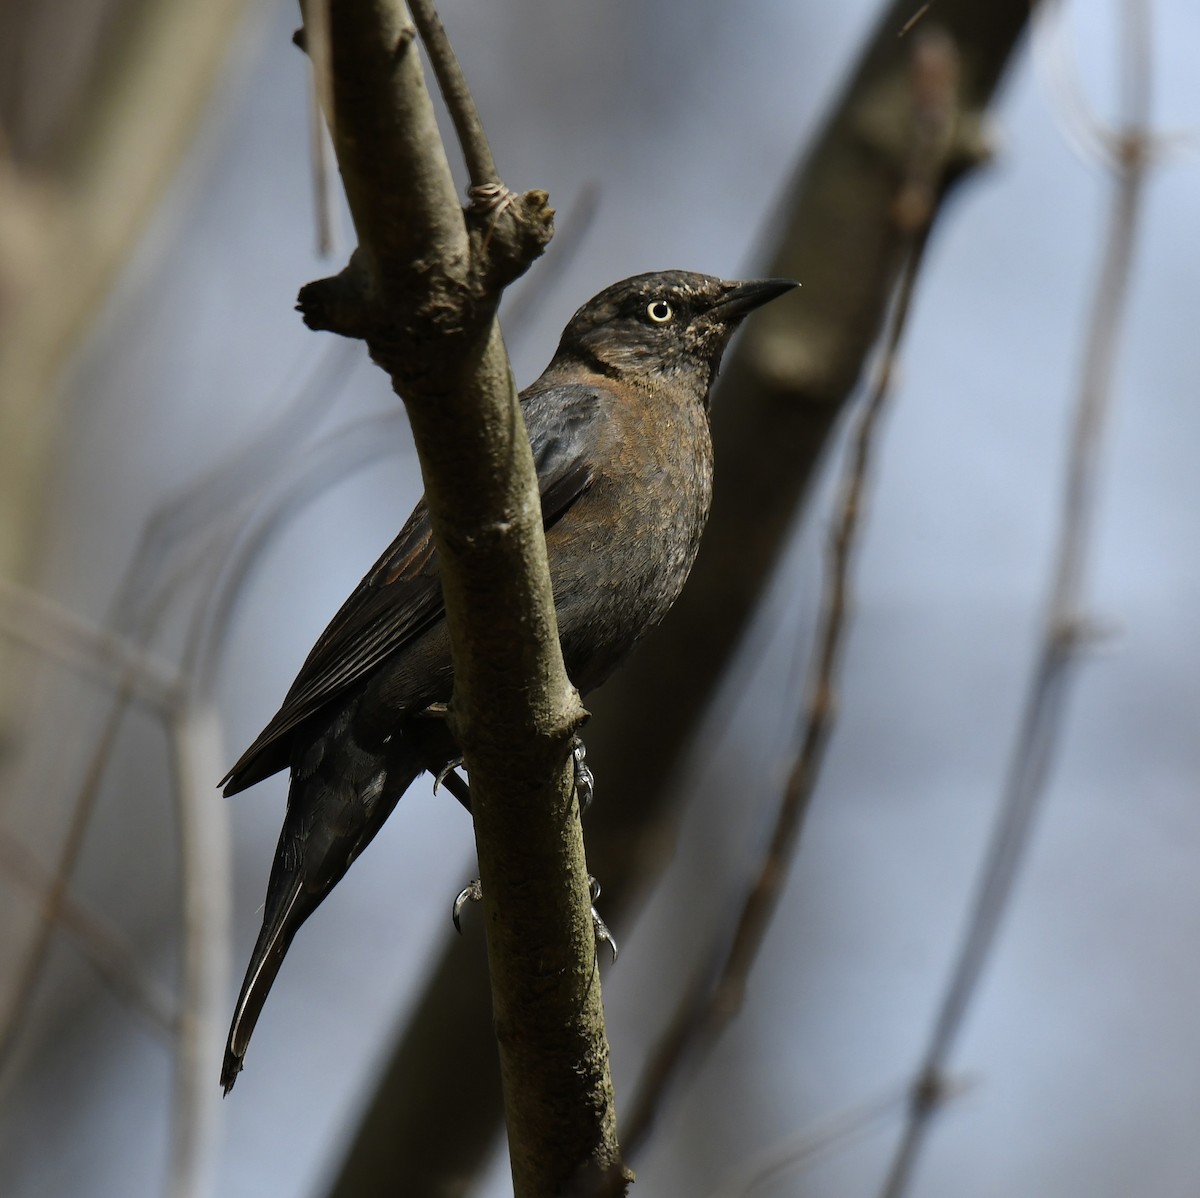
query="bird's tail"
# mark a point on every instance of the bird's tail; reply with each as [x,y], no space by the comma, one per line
[278,929]
[334,810]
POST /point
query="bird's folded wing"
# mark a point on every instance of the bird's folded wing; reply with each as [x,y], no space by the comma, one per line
[401,596]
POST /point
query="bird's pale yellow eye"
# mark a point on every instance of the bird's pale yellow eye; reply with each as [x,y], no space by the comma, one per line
[660,311]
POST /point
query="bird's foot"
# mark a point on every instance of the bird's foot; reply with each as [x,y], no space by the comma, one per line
[585,780]
[472,892]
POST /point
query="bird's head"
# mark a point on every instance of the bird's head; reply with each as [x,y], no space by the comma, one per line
[668,325]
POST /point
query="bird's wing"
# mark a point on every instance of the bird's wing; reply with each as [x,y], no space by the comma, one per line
[401,596]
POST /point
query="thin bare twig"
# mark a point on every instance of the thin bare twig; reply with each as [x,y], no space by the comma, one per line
[833,1134]
[203,839]
[200,524]
[208,505]
[195,1021]
[709,1006]
[1066,628]
[185,537]
[1055,64]
[477,153]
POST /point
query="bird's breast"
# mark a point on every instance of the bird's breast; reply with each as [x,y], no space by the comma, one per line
[620,556]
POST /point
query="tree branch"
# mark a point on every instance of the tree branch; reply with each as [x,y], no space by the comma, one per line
[421,289]
[481,166]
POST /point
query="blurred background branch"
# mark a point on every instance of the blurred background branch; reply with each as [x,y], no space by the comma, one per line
[1068,630]
[84,157]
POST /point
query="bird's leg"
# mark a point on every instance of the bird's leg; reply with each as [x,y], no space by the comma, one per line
[443,768]
[585,781]
[585,789]
[439,752]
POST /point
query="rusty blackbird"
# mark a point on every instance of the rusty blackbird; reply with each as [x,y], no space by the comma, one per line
[618,423]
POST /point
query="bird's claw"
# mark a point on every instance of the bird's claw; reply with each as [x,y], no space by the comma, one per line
[472,892]
[603,935]
[585,780]
[445,772]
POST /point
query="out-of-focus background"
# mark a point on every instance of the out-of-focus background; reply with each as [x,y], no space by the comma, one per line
[150,344]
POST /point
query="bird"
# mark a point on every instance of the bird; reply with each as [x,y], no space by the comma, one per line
[618,426]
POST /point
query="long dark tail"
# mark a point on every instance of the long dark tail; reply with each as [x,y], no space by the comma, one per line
[340,797]
[269,950]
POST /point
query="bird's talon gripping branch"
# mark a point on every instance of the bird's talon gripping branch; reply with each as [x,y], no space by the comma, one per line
[472,892]
[491,197]
[603,935]
[445,772]
[585,780]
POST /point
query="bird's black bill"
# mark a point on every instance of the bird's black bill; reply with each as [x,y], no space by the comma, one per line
[745,297]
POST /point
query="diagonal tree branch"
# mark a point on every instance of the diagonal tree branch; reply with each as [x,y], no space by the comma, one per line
[421,289]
